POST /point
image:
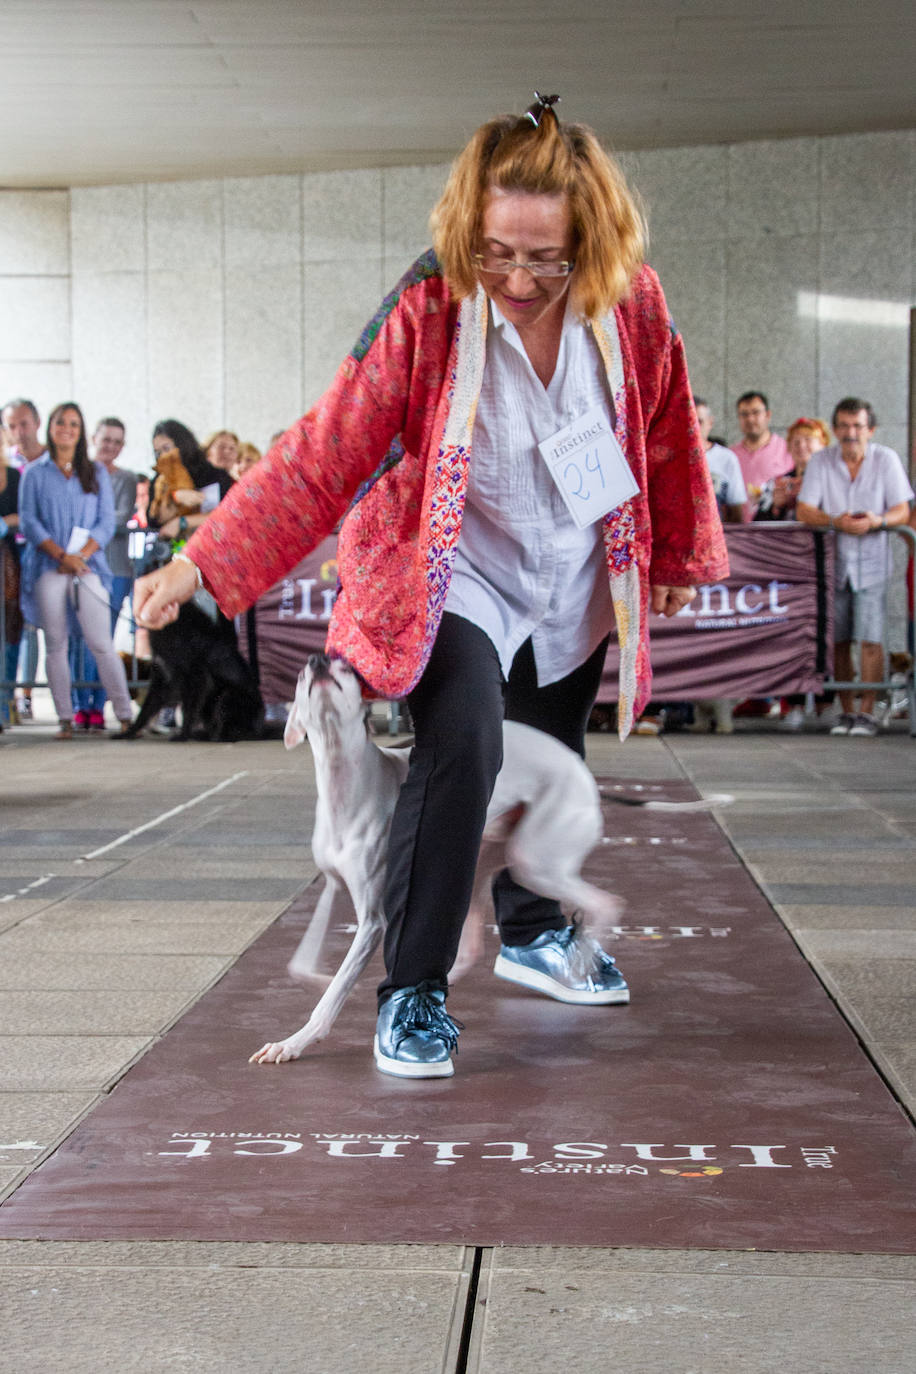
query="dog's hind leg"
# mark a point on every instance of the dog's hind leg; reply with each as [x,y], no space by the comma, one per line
[365,941]
[333,902]
[196,695]
[546,853]
[157,695]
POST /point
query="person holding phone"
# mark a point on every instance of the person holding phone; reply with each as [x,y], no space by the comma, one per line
[860,489]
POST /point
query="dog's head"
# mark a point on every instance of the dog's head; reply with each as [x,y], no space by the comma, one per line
[170,466]
[172,476]
[328,701]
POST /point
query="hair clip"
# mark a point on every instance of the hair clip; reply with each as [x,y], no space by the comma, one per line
[535,112]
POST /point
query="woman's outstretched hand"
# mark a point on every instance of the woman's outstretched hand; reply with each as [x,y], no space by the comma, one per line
[159,595]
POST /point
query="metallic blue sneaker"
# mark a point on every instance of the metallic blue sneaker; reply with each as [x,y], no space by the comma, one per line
[415,1034]
[566,964]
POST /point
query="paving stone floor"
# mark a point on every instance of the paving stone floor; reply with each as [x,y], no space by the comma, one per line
[111,927]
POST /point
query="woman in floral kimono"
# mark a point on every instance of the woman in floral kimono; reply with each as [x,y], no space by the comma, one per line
[513,449]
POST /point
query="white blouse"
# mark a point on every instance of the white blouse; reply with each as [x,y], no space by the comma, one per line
[522,567]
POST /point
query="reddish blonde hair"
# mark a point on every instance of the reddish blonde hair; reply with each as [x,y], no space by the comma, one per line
[513,154]
[816,428]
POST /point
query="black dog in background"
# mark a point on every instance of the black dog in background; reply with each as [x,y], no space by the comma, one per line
[198,667]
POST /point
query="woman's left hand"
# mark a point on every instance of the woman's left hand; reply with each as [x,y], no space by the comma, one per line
[669,600]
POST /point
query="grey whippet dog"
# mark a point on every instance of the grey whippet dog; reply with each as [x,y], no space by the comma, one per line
[543,820]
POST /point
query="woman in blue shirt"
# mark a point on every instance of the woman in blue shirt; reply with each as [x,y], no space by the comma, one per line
[66,514]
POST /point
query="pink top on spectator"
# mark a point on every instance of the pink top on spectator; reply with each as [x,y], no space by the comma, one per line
[760,464]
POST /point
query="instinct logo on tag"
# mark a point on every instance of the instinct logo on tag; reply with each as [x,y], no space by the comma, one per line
[589,467]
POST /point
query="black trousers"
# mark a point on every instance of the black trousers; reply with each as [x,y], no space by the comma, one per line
[458,708]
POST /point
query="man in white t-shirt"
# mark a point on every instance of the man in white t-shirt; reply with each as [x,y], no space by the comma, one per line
[727,479]
[860,489]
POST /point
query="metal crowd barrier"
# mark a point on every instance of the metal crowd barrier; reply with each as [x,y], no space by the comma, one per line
[79,681]
[908,686]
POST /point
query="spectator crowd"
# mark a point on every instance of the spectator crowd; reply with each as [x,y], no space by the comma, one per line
[76,526]
[853,486]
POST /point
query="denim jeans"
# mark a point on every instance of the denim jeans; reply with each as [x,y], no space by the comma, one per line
[8,674]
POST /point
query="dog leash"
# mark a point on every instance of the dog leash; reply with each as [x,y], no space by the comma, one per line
[78,585]
[202,599]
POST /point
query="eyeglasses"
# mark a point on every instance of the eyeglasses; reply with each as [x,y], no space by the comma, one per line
[501,267]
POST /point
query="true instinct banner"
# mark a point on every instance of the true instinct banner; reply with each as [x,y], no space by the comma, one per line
[291,621]
[766,630]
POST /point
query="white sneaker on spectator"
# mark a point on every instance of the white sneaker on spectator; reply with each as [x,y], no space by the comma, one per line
[165,722]
[864,724]
[794,718]
[844,725]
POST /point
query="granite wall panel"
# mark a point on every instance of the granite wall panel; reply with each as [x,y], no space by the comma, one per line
[787,264]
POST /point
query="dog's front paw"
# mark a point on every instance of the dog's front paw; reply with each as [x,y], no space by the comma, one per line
[274,1052]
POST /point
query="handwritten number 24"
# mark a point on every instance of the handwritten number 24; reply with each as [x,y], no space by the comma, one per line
[592,464]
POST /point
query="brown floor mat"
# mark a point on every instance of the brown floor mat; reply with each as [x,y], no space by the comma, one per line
[728,1106]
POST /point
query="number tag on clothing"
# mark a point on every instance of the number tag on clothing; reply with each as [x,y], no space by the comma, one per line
[589,467]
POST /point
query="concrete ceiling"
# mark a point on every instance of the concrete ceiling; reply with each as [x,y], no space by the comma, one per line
[97,91]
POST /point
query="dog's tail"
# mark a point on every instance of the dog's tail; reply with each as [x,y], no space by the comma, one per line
[704,804]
